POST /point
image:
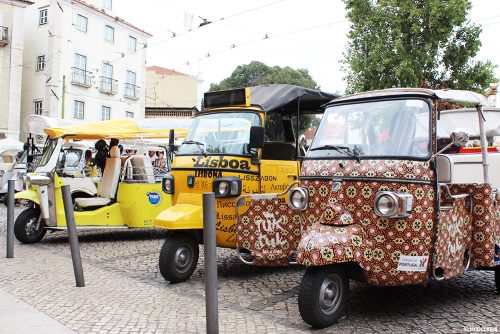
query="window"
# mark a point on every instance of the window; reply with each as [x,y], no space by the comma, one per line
[78,109]
[132,43]
[107,81]
[131,90]
[80,62]
[109,33]
[108,4]
[81,23]
[38,107]
[43,16]
[105,113]
[129,114]
[40,63]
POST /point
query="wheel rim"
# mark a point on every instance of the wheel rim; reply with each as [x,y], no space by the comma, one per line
[183,259]
[30,228]
[330,294]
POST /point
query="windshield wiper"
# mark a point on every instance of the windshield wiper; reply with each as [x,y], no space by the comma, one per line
[200,145]
[340,149]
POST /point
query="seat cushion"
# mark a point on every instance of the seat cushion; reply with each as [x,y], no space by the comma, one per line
[92,201]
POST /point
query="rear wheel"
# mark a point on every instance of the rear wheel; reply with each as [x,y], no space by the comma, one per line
[323,295]
[27,228]
[178,257]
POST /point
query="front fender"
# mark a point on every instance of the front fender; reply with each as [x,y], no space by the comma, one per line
[323,245]
[30,195]
[181,217]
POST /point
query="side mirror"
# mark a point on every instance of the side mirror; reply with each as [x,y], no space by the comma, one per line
[171,137]
[459,137]
[256,137]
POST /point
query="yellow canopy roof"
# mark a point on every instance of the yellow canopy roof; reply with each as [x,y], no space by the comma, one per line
[122,129]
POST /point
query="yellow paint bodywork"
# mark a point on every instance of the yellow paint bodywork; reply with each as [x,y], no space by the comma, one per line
[132,207]
[29,194]
[266,176]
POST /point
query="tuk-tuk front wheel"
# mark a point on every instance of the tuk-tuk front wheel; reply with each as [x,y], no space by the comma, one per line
[27,227]
[178,257]
[323,295]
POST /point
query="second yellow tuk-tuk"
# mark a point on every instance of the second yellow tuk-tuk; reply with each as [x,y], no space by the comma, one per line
[245,141]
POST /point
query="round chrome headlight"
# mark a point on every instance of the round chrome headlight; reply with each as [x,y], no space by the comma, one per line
[298,198]
[223,188]
[386,205]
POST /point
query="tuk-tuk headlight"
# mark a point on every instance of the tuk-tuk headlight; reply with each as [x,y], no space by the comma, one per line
[227,186]
[390,204]
[298,198]
[168,184]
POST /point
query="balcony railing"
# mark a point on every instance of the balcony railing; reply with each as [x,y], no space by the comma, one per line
[4,36]
[81,77]
[108,85]
[132,91]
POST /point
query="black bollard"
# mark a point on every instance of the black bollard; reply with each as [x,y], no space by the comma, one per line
[73,236]
[210,254]
[10,218]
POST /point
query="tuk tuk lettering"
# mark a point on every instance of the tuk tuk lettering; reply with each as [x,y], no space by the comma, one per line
[221,162]
[267,227]
[223,228]
[208,173]
[454,245]
[278,187]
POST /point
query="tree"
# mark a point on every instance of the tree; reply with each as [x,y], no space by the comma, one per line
[413,43]
[257,73]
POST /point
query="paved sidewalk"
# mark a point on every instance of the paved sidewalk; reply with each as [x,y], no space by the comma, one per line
[18,317]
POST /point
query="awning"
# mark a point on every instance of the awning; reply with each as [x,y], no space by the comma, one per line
[122,129]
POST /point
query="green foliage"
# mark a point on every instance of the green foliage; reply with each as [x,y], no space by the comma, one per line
[257,73]
[413,43]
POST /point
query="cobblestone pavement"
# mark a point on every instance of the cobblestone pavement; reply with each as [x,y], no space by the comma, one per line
[125,293]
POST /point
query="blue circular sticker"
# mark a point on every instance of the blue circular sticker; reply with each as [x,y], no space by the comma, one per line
[154,198]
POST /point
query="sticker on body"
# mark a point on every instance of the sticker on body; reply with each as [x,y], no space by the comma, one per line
[413,263]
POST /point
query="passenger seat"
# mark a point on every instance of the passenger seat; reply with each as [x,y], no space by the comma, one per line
[109,182]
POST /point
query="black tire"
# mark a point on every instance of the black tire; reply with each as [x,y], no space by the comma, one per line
[178,257]
[323,295]
[25,226]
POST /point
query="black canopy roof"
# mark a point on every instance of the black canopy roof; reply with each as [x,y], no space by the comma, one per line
[283,98]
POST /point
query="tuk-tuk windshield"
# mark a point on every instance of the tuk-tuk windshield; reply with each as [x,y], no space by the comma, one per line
[47,152]
[220,133]
[393,128]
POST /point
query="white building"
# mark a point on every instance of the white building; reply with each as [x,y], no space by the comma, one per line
[82,62]
[11,66]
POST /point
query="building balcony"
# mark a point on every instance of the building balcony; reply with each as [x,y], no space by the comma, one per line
[132,91]
[81,77]
[4,36]
[108,85]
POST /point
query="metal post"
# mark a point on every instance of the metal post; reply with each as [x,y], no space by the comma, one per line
[10,218]
[210,253]
[484,145]
[72,236]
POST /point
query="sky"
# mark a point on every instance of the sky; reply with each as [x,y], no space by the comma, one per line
[297,33]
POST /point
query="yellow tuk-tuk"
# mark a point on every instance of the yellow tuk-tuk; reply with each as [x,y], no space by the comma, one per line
[245,141]
[128,193]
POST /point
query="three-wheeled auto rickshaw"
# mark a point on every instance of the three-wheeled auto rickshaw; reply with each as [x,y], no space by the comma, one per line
[128,194]
[245,141]
[386,196]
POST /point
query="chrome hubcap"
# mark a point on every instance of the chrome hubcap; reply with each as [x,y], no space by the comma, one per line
[183,258]
[330,294]
[30,228]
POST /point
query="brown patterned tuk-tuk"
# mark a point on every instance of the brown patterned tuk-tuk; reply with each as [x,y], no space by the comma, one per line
[394,190]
